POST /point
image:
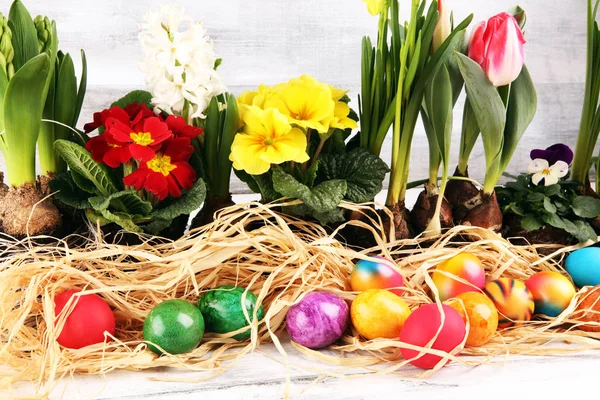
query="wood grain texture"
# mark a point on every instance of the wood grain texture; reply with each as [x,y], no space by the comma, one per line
[270,41]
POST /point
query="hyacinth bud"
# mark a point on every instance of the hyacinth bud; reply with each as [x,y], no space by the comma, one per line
[43,25]
[7,52]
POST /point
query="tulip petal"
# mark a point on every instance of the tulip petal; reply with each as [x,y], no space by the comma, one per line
[505,55]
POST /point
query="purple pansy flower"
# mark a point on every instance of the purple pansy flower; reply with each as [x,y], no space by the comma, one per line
[553,154]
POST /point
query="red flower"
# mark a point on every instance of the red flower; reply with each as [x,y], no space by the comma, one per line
[105,151]
[140,137]
[166,173]
[180,128]
[132,110]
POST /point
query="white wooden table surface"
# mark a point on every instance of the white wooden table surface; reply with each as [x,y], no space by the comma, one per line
[263,375]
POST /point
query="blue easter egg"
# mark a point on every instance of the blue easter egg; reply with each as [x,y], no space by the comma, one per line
[584,266]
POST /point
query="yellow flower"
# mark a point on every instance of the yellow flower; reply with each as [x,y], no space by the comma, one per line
[305,101]
[340,119]
[268,138]
[375,7]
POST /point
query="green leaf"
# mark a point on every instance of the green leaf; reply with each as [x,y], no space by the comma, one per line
[125,221]
[535,197]
[186,204]
[585,232]
[363,172]
[469,134]
[247,179]
[553,220]
[522,107]
[548,205]
[157,226]
[24,35]
[227,133]
[552,190]
[322,198]
[81,161]
[488,109]
[586,207]
[82,89]
[23,106]
[65,106]
[127,202]
[530,223]
[67,191]
[83,184]
[136,96]
[439,100]
[264,183]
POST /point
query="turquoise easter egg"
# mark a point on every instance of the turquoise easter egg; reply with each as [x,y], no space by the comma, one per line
[584,266]
[223,310]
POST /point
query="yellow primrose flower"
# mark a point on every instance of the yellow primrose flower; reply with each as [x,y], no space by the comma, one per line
[340,119]
[375,7]
[268,138]
[306,102]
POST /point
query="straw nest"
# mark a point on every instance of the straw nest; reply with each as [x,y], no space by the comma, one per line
[277,257]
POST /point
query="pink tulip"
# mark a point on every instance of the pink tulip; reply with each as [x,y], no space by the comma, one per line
[443,27]
[498,47]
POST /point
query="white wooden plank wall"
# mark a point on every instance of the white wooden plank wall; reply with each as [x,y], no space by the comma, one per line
[269,41]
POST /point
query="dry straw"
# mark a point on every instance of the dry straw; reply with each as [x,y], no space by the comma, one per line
[278,258]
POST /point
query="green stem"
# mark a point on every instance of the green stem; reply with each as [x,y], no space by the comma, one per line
[315,158]
[434,228]
[20,168]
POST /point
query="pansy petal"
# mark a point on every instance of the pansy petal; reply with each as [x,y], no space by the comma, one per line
[550,180]
[538,165]
[560,169]
[537,178]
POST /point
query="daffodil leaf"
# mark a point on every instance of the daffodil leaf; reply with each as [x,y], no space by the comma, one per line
[322,198]
[586,207]
[126,201]
[68,192]
[186,204]
[363,172]
[136,96]
[80,160]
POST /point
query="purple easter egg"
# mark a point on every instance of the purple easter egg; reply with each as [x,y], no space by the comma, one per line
[318,320]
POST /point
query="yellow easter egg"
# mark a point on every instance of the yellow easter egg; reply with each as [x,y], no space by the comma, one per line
[379,313]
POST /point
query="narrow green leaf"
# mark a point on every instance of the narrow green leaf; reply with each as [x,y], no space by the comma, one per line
[438,98]
[66,97]
[81,161]
[24,39]
[211,140]
[487,107]
[470,133]
[3,87]
[23,106]
[229,130]
[82,89]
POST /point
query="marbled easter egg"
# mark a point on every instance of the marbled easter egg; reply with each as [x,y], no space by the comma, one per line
[318,320]
[587,313]
[481,314]
[223,310]
[175,325]
[464,266]
[376,275]
[584,266]
[379,313]
[551,291]
[513,301]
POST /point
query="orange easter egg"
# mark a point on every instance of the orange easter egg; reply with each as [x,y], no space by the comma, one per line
[513,301]
[379,313]
[464,266]
[481,314]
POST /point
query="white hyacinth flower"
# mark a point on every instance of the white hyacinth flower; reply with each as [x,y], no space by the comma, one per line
[179,62]
[550,174]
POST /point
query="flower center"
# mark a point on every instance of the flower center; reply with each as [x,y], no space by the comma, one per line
[162,164]
[141,138]
[268,141]
[546,171]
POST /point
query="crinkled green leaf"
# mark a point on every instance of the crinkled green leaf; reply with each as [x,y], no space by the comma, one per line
[322,198]
[363,172]
[586,207]
[83,183]
[264,183]
[136,96]
[186,204]
[81,161]
[126,201]
[247,179]
[67,191]
[157,226]
[125,221]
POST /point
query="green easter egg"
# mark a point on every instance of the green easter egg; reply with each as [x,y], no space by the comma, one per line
[175,325]
[223,312]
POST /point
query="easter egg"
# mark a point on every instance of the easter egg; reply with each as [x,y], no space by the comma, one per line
[513,301]
[318,320]
[584,266]
[481,314]
[423,325]
[379,313]
[223,310]
[587,313]
[376,275]
[551,292]
[87,322]
[175,325]
[465,266]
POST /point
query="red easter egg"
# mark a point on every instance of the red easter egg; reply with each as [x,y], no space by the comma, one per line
[422,326]
[87,322]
